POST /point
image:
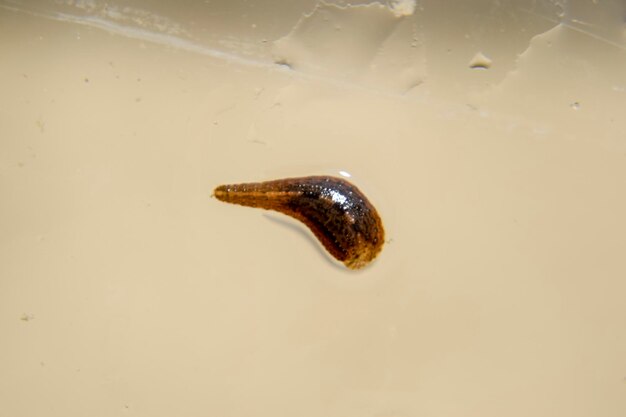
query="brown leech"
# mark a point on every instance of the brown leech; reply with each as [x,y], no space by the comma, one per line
[337,212]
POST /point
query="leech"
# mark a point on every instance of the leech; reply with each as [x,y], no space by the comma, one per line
[337,212]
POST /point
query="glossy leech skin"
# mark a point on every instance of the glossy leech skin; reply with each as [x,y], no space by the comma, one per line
[337,212]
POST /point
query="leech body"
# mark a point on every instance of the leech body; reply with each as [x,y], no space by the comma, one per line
[337,212]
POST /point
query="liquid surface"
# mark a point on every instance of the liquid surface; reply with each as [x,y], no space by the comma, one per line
[500,291]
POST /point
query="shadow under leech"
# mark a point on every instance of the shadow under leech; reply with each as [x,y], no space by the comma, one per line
[309,237]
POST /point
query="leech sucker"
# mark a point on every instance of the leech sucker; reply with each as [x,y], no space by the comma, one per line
[337,212]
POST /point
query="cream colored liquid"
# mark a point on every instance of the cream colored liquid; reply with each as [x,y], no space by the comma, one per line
[125,289]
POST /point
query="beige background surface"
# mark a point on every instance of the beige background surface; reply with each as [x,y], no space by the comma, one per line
[126,290]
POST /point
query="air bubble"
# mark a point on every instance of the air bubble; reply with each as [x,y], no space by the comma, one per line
[560,10]
[480,61]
